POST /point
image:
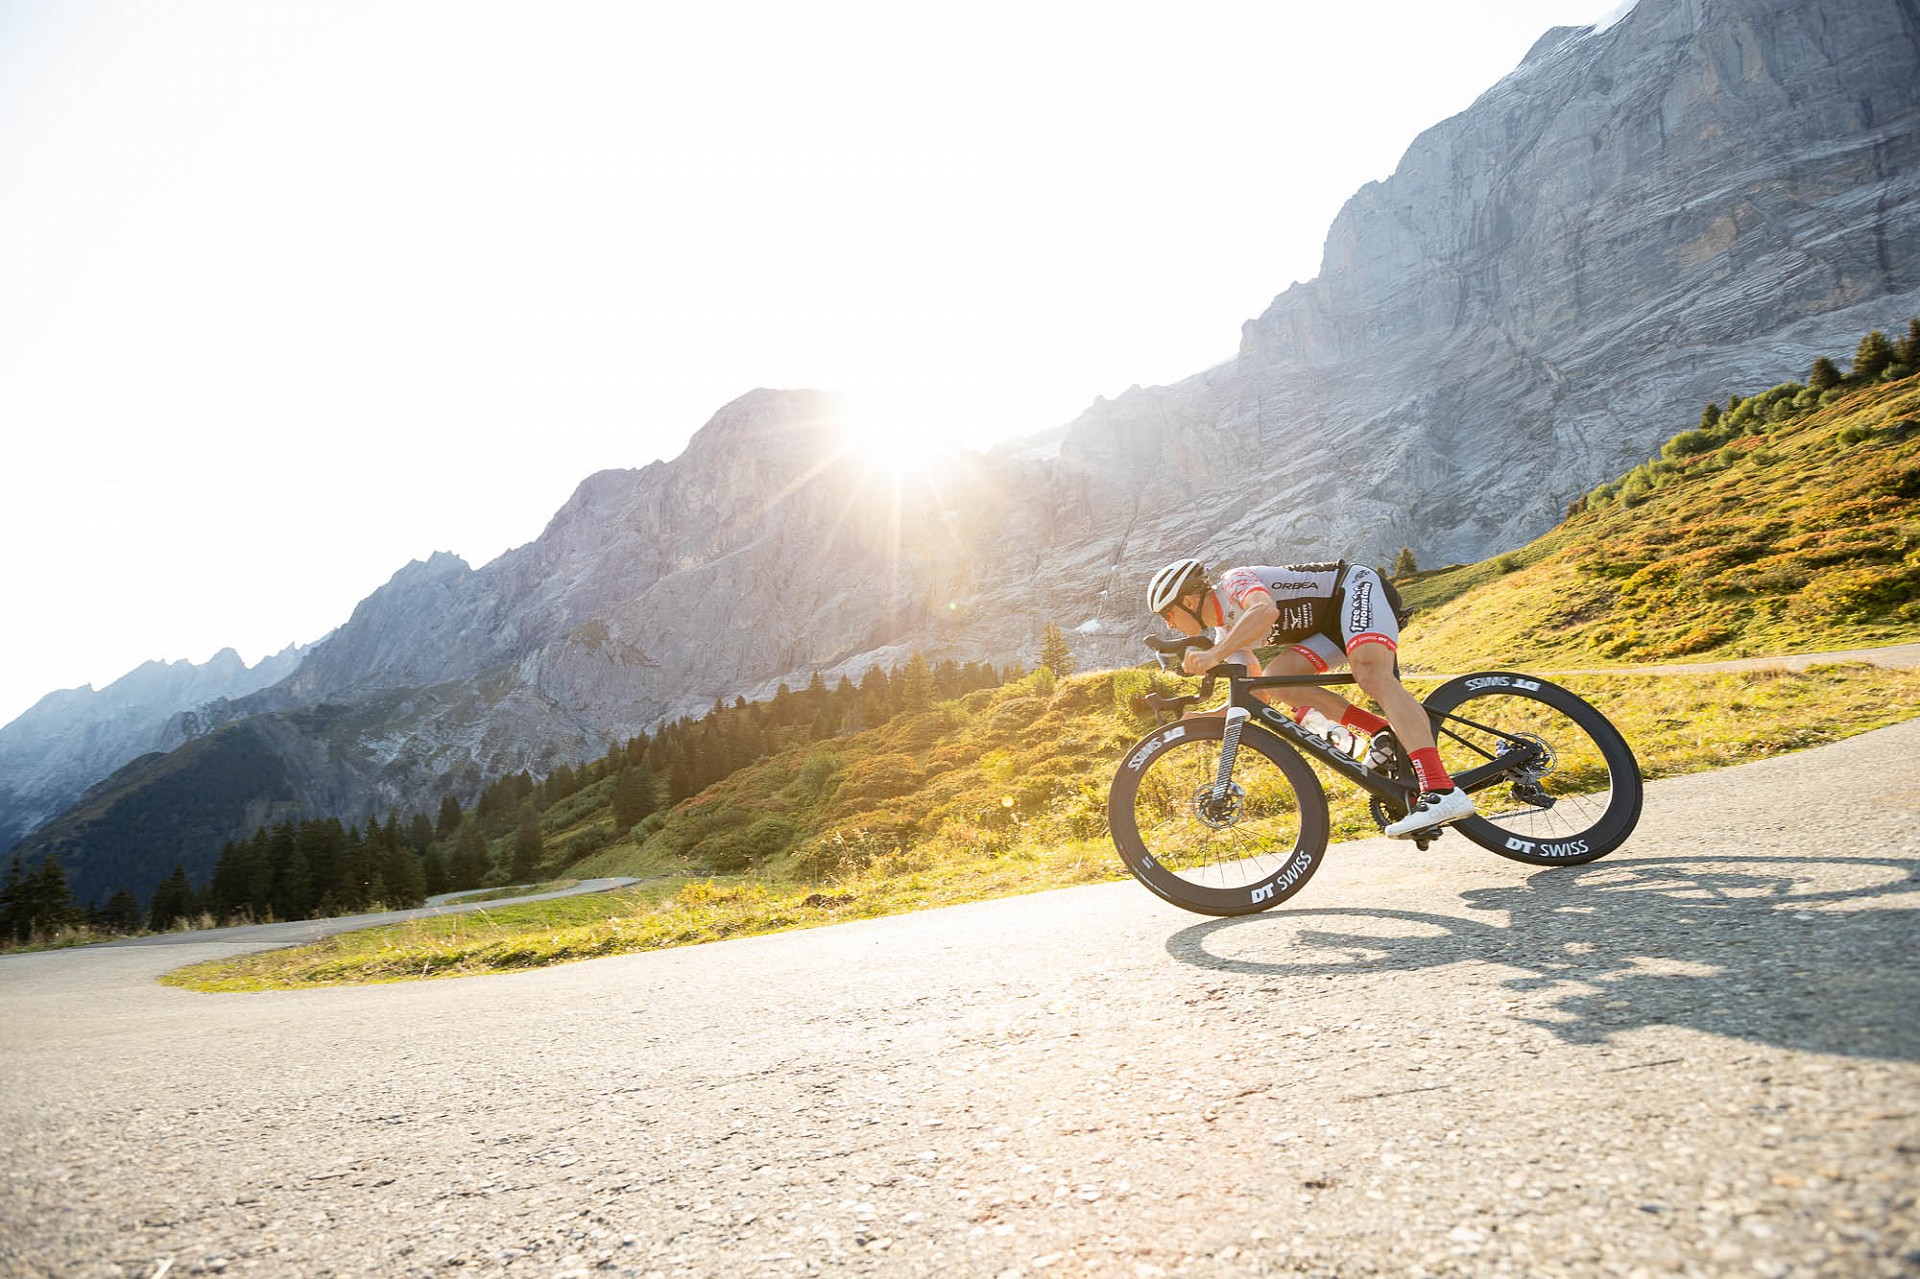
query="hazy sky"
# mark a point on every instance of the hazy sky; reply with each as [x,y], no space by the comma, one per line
[292,293]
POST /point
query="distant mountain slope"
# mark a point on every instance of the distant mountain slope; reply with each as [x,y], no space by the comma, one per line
[70,739]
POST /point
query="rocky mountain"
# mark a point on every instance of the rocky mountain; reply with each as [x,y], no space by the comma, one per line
[72,738]
[1698,199]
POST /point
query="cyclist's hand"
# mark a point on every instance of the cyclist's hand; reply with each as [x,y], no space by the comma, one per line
[1196,661]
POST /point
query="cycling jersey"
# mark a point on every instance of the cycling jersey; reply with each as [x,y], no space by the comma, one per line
[1326,610]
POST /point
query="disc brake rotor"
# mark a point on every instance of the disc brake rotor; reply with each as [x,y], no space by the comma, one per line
[1215,809]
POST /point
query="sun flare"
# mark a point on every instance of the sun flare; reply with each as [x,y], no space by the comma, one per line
[891,435]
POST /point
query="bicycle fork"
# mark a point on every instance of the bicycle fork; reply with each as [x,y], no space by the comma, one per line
[1229,747]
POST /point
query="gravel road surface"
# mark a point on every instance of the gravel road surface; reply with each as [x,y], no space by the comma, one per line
[1699,1056]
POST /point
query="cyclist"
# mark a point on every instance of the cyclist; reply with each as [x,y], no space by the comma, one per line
[1324,615]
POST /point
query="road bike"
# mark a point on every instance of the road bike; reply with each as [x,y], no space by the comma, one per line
[1221,814]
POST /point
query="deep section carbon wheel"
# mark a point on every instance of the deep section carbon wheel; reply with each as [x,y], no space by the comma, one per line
[1217,850]
[1555,783]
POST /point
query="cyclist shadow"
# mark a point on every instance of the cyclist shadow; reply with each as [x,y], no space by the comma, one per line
[1747,947]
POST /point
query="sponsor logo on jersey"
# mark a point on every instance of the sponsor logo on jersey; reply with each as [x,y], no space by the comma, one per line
[1360,600]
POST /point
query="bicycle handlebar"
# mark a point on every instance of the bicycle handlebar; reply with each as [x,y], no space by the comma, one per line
[1173,646]
[1170,646]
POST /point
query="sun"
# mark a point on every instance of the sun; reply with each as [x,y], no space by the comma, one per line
[892,434]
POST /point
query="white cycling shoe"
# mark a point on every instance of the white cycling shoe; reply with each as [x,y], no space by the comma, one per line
[1435,808]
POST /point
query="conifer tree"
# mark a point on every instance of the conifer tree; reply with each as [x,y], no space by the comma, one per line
[1872,356]
[435,872]
[1054,653]
[11,901]
[293,887]
[1709,417]
[227,890]
[54,897]
[1404,564]
[449,817]
[277,851]
[527,846]
[916,685]
[634,796]
[403,874]
[469,863]
[1824,376]
[1909,348]
[122,913]
[173,901]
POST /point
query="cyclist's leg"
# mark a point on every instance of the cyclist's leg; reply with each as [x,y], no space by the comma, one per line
[1371,636]
[1373,670]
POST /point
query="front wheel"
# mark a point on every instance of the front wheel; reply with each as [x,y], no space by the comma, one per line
[1555,783]
[1210,849]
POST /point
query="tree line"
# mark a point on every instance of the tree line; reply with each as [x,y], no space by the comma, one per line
[323,866]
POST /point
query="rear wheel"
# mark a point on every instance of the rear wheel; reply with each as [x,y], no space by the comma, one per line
[1555,783]
[1215,851]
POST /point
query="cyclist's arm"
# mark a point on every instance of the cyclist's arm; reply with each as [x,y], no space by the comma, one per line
[1248,629]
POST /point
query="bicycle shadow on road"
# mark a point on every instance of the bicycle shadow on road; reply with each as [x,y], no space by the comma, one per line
[1780,950]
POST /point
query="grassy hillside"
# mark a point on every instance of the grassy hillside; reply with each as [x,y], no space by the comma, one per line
[1792,525]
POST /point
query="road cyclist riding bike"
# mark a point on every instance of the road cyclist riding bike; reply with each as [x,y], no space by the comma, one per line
[1220,813]
[1323,615]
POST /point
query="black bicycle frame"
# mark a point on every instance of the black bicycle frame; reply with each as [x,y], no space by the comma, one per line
[1240,690]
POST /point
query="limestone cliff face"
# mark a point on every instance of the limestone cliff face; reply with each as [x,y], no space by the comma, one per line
[1699,199]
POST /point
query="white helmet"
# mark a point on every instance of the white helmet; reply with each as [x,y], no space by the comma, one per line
[1182,577]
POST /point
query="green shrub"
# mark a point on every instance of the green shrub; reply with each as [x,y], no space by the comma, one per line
[738,849]
[1688,443]
[587,843]
[879,778]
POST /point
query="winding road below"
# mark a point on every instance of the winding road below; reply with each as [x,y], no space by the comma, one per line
[1700,1055]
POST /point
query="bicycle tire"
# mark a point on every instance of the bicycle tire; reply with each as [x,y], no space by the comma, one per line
[1213,855]
[1591,781]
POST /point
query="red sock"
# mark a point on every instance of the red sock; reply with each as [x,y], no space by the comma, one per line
[1428,768]
[1362,721]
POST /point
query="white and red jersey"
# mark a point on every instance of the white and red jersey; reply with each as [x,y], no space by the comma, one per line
[1304,593]
[1326,610]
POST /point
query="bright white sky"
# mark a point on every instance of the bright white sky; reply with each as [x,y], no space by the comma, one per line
[293,293]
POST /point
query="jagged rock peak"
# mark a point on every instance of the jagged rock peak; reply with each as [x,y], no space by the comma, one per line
[779,422]
[1553,39]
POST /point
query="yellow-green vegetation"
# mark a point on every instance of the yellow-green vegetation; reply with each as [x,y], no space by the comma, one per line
[1789,523]
[881,834]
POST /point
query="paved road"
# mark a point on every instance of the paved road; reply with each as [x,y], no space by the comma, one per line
[298,932]
[1698,1056]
